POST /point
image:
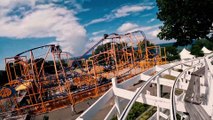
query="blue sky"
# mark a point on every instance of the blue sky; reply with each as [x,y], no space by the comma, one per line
[73,24]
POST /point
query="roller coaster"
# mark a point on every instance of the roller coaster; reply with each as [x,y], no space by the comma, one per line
[45,78]
[185,95]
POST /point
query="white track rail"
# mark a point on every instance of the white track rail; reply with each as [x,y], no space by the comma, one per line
[132,101]
[120,94]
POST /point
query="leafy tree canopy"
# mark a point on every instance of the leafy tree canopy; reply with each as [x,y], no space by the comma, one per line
[171,53]
[185,20]
[142,44]
[199,44]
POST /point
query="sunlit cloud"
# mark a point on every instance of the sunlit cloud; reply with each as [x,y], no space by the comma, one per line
[150,31]
[98,32]
[122,12]
[43,20]
[151,20]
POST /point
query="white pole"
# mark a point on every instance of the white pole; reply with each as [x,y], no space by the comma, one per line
[117,104]
[158,96]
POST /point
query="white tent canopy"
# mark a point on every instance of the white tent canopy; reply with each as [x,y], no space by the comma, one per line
[185,54]
[205,50]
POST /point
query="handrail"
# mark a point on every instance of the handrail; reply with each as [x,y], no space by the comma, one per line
[172,97]
[131,102]
[207,58]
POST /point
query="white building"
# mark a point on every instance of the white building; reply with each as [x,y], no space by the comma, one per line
[185,55]
[206,51]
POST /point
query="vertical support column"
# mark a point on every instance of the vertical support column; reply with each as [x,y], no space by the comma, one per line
[7,68]
[96,82]
[158,96]
[207,84]
[206,75]
[117,104]
[165,55]
[185,73]
[210,96]
[56,71]
[212,114]
[115,57]
[181,66]
[169,70]
[160,56]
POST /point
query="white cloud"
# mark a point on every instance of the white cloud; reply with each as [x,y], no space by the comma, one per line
[7,6]
[121,12]
[127,10]
[13,3]
[97,21]
[151,20]
[126,27]
[98,32]
[154,33]
[130,27]
[93,40]
[146,15]
[150,31]
[44,21]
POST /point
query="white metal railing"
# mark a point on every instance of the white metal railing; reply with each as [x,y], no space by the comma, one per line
[92,110]
[132,101]
[172,93]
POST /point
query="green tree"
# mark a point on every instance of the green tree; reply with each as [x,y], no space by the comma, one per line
[142,44]
[171,53]
[185,20]
[196,50]
[199,44]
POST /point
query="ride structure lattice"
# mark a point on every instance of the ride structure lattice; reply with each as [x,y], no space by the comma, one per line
[45,78]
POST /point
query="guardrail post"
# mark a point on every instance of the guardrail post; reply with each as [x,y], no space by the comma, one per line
[158,96]
[206,75]
[181,66]
[114,82]
[158,86]
[117,104]
[184,76]
[170,71]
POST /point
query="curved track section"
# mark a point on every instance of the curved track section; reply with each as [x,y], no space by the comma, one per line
[132,101]
[172,93]
[189,84]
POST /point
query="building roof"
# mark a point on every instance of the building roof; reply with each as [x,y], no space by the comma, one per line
[205,50]
[185,54]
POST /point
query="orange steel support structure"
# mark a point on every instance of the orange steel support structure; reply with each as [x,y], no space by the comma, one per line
[45,78]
